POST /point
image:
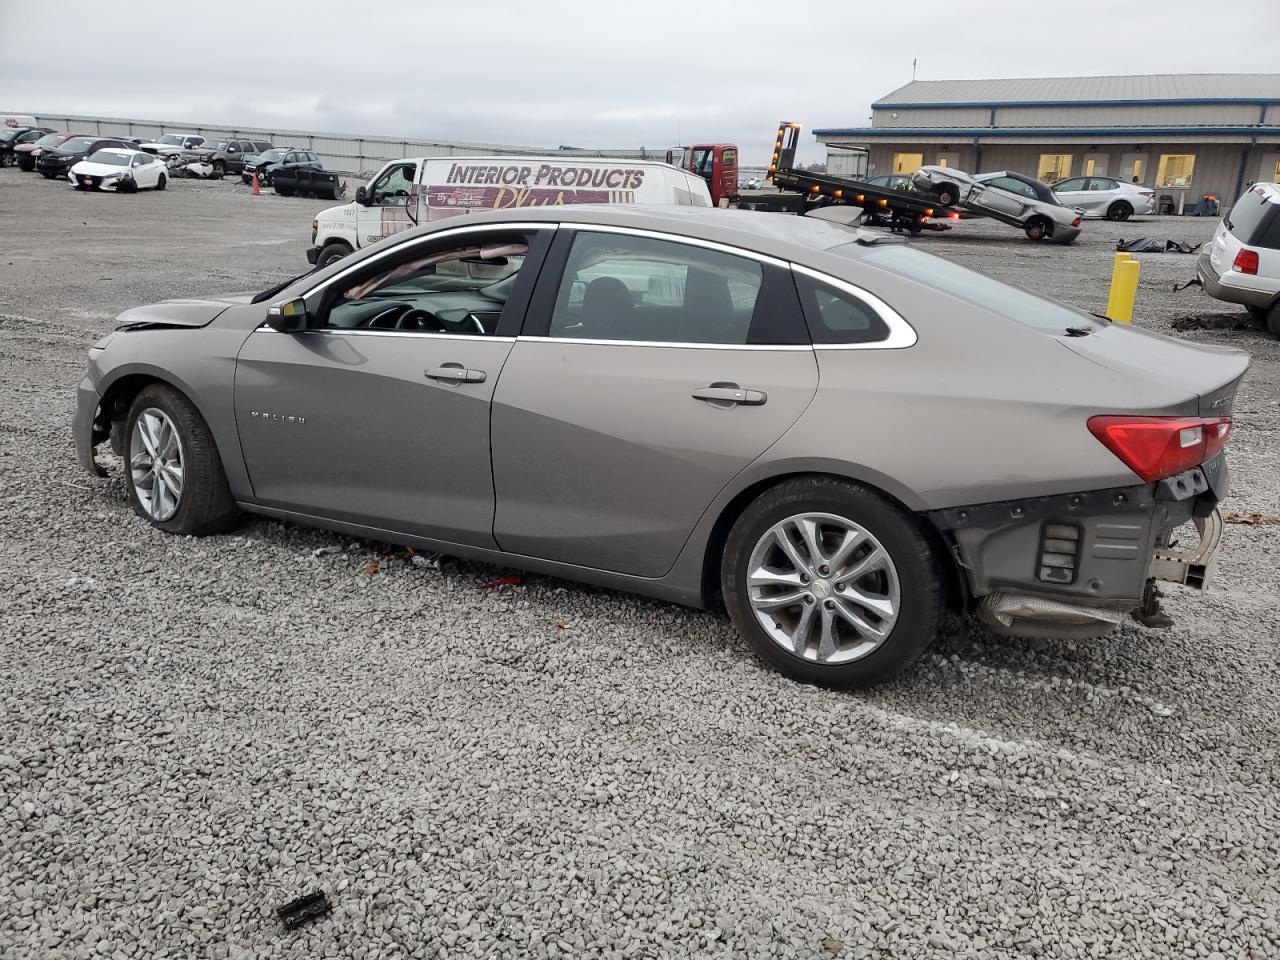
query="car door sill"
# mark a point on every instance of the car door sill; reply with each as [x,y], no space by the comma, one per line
[657,588]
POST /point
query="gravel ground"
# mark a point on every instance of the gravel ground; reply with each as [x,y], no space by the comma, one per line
[195,731]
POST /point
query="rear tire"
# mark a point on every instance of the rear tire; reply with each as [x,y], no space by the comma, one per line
[1273,319]
[903,582]
[204,502]
[1037,229]
[162,182]
[1120,210]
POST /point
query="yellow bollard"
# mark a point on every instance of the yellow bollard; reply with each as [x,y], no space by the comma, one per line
[1124,288]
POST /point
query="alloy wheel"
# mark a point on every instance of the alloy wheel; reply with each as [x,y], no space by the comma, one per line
[156,464]
[823,588]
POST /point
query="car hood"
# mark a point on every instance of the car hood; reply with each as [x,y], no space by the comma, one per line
[89,169]
[179,313]
[1210,373]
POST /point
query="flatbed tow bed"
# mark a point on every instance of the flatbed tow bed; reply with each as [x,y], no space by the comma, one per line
[801,191]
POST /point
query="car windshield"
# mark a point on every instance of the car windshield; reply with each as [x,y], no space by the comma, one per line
[107,156]
[171,140]
[215,145]
[78,143]
[270,155]
[1013,302]
[50,140]
[8,133]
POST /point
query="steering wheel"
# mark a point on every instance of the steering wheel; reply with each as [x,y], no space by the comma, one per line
[419,319]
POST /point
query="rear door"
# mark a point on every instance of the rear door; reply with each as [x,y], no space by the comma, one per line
[651,371]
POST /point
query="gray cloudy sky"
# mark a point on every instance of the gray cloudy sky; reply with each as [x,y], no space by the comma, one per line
[578,72]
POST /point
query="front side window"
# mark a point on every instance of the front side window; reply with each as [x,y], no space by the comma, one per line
[460,290]
[623,287]
[139,161]
[1054,167]
[907,162]
[1175,169]
[393,186]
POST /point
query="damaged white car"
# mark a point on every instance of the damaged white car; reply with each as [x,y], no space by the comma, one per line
[121,170]
[1009,197]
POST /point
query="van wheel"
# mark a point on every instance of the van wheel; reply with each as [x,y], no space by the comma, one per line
[1120,210]
[174,473]
[1037,229]
[831,583]
[331,253]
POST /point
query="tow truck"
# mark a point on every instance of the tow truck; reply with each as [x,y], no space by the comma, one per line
[802,191]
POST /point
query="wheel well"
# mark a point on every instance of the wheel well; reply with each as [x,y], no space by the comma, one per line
[956,593]
[336,242]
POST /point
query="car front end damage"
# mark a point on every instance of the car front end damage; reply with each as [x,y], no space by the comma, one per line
[1078,564]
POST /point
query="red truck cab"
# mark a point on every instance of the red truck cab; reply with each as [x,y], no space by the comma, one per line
[716,163]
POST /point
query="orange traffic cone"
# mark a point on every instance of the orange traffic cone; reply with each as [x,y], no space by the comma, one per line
[257,191]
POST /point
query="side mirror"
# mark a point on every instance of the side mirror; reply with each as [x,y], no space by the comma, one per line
[288,317]
[362,196]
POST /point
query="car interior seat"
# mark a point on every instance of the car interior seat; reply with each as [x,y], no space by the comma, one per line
[607,309]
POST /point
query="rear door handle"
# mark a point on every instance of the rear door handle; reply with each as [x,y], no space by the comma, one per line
[730,393]
[455,373]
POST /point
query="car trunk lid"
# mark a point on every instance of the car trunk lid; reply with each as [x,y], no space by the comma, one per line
[1209,374]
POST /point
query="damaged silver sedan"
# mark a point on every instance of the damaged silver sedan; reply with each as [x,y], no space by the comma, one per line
[835,436]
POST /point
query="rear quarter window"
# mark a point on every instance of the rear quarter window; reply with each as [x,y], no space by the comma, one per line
[1252,220]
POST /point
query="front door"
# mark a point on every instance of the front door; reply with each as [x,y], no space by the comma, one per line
[378,414]
[389,209]
[650,372]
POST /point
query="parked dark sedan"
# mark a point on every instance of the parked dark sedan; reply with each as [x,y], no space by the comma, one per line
[56,162]
[278,158]
[11,137]
[27,153]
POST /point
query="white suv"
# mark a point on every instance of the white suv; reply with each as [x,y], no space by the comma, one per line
[1242,262]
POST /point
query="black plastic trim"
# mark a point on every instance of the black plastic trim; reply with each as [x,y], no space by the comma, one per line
[1062,506]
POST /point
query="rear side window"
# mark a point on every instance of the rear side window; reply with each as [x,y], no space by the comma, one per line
[1252,219]
[837,316]
[625,287]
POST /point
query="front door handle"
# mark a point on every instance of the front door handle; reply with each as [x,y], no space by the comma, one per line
[730,393]
[455,373]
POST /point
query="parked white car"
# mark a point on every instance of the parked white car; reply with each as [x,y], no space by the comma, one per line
[121,170]
[1106,197]
[172,144]
[1241,264]
[1010,197]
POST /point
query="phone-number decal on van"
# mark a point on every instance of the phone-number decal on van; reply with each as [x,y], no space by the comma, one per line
[504,198]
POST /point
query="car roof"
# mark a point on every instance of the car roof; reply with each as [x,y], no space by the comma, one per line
[782,236]
[1269,192]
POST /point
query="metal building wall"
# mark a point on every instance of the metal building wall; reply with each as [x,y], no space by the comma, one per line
[342,153]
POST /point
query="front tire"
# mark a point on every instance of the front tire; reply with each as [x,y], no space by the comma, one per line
[174,473]
[947,194]
[331,253]
[219,170]
[831,583]
[1120,210]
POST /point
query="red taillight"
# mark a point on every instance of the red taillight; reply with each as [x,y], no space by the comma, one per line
[1158,447]
[1246,262]
[1075,222]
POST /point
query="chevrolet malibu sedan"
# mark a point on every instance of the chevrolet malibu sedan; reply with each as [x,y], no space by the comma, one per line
[835,436]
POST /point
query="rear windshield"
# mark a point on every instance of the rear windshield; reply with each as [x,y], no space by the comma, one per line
[1248,214]
[1013,302]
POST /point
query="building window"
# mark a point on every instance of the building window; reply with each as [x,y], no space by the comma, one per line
[945,162]
[1275,174]
[907,162]
[1175,169]
[1090,167]
[1054,167]
[1139,170]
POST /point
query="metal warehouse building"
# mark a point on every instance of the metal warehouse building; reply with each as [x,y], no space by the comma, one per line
[1185,135]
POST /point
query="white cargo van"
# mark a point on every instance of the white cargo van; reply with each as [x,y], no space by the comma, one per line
[405,193]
